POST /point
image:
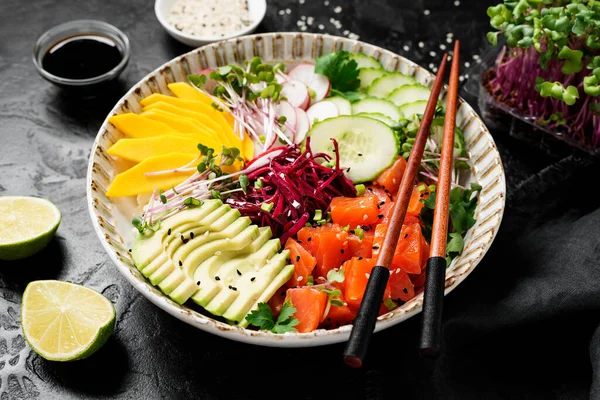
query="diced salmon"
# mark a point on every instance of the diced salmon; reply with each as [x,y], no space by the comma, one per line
[304,263]
[354,211]
[328,244]
[310,305]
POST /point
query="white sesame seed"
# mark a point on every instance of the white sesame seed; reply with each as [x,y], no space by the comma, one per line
[442,47]
[435,69]
[367,275]
[301,1]
[475,57]
[321,26]
[332,20]
[449,58]
[300,23]
[432,53]
[466,76]
[353,36]
[426,12]
[337,10]
[457,3]
[365,217]
[421,44]
[461,78]
[449,40]
[281,12]
[299,278]
[450,34]
[406,48]
[467,64]
[310,20]
[346,32]
[431,66]
[303,17]
[326,3]
[303,28]
[288,11]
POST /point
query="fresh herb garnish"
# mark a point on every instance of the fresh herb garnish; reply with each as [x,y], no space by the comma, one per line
[141,225]
[264,319]
[341,70]
[163,198]
[336,275]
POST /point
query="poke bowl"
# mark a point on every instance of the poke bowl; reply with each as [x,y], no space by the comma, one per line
[151,231]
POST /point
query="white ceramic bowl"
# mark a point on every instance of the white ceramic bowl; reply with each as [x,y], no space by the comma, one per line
[256,9]
[112,217]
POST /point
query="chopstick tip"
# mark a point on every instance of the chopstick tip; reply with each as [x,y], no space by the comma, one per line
[353,362]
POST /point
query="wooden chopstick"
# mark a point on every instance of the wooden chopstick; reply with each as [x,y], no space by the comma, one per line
[433,296]
[364,323]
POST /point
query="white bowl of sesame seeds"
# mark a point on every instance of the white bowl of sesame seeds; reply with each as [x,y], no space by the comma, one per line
[199,22]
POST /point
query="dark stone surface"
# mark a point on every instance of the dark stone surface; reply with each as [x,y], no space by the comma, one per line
[506,327]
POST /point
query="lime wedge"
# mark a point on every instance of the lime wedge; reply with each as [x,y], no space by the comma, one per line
[27,224]
[63,321]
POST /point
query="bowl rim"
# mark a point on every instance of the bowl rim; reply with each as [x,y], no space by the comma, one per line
[454,276]
[207,39]
[95,27]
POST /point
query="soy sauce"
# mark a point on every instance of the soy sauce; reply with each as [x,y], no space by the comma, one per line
[82,57]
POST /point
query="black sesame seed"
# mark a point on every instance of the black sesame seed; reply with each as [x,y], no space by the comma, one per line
[297,258]
[342,251]
[182,238]
[385,190]
[198,283]
[282,294]
[191,235]
[235,322]
[382,203]
[309,239]
[348,170]
[405,290]
[252,279]
[169,231]
[375,247]
[405,235]
[378,206]
[217,278]
[360,258]
[380,216]
[185,241]
[288,260]
[238,272]
[230,286]
[234,288]
[180,263]
[360,154]
[130,250]
[370,189]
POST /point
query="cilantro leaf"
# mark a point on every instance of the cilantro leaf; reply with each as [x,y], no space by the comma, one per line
[456,243]
[341,70]
[262,318]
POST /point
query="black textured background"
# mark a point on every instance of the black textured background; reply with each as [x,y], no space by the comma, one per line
[522,326]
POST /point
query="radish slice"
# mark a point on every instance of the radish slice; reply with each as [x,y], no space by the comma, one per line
[318,83]
[322,110]
[302,125]
[296,93]
[287,110]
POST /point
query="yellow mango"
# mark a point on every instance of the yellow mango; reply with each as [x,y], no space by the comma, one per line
[134,181]
[179,123]
[194,105]
[135,126]
[247,147]
[137,150]
[186,91]
[202,119]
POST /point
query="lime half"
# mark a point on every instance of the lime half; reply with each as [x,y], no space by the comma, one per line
[27,224]
[63,321]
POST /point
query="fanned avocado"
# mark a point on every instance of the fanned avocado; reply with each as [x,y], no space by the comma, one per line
[187,254]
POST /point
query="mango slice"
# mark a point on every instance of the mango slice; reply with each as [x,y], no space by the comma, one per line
[136,126]
[186,91]
[137,150]
[247,148]
[134,181]
[202,119]
[179,123]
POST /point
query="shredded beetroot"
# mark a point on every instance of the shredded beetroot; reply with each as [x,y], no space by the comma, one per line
[297,185]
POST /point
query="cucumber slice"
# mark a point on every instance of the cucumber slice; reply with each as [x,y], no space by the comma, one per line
[379,117]
[367,146]
[365,61]
[409,94]
[375,105]
[414,108]
[343,105]
[383,86]
[368,75]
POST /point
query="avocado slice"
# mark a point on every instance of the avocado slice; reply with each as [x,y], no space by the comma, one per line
[206,250]
[206,280]
[161,273]
[252,286]
[148,245]
[184,291]
[284,275]
[172,281]
[155,264]
[207,273]
[231,271]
